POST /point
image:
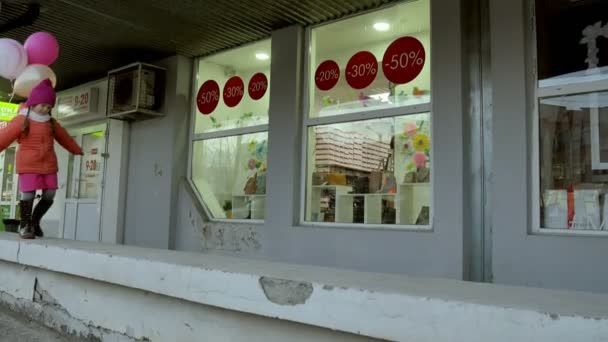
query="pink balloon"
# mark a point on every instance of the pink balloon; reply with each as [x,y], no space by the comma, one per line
[42,48]
[13,58]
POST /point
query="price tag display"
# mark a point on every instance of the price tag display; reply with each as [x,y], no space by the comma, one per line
[208,97]
[403,60]
[327,75]
[234,91]
[361,70]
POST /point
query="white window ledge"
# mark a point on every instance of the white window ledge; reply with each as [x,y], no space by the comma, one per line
[383,306]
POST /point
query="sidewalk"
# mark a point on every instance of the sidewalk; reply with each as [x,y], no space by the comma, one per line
[15,328]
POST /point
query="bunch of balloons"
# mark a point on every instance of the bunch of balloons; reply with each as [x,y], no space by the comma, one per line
[28,64]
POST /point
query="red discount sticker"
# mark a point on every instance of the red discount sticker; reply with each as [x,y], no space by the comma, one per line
[327,75]
[361,70]
[208,97]
[234,91]
[258,85]
[403,60]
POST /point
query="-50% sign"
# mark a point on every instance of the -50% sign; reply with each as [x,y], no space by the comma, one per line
[403,60]
[208,97]
[234,91]
[361,70]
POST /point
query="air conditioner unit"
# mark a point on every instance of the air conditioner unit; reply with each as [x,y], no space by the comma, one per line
[136,92]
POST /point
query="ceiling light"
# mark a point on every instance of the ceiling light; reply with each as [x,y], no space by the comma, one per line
[382,27]
[262,56]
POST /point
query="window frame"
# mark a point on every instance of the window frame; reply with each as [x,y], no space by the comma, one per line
[194,137]
[537,93]
[309,122]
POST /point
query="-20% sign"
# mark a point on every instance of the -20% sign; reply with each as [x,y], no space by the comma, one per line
[361,70]
[258,86]
[327,75]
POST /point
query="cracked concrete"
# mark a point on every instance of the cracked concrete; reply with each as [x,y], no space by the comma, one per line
[46,310]
[286,292]
[15,327]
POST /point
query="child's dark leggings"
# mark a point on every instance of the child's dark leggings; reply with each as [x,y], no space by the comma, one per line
[47,195]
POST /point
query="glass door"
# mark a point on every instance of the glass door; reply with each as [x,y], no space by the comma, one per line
[82,213]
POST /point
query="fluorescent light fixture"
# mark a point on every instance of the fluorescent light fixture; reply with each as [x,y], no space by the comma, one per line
[382,26]
[262,56]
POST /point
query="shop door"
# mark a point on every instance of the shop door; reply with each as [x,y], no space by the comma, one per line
[84,177]
[8,186]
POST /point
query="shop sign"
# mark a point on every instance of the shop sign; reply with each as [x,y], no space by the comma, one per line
[403,60]
[234,91]
[361,70]
[258,85]
[83,102]
[208,97]
[327,75]
[8,111]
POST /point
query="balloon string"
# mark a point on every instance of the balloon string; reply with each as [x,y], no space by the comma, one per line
[13,93]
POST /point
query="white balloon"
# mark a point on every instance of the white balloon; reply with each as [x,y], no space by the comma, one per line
[13,58]
[31,77]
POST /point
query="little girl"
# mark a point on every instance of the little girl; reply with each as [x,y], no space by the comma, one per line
[36,162]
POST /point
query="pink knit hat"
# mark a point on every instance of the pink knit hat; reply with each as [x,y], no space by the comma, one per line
[43,93]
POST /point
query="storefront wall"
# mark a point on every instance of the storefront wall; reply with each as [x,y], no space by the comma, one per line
[437,251]
[521,255]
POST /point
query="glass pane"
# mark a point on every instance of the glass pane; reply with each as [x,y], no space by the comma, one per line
[70,193]
[91,164]
[573,173]
[362,63]
[233,89]
[230,175]
[8,170]
[370,172]
[572,43]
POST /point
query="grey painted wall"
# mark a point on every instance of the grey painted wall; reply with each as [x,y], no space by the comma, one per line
[438,253]
[520,258]
[157,160]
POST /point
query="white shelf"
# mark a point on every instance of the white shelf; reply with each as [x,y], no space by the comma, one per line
[408,201]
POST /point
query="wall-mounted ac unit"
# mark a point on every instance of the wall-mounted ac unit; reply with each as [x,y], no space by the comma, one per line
[136,92]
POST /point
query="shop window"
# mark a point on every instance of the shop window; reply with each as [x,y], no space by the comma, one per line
[230,141]
[369,123]
[572,103]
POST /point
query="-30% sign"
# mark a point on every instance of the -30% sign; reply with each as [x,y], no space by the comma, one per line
[361,70]
[403,60]
[327,75]
[234,91]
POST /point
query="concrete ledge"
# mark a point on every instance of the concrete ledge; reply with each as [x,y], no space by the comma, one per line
[375,305]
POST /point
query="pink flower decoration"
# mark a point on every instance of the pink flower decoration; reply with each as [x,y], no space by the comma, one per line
[410,129]
[251,164]
[420,159]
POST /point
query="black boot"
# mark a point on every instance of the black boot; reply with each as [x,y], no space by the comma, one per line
[26,230]
[41,208]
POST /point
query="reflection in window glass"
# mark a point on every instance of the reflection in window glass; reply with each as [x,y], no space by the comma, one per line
[234,105]
[370,172]
[91,165]
[574,177]
[571,38]
[573,116]
[230,175]
[373,33]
